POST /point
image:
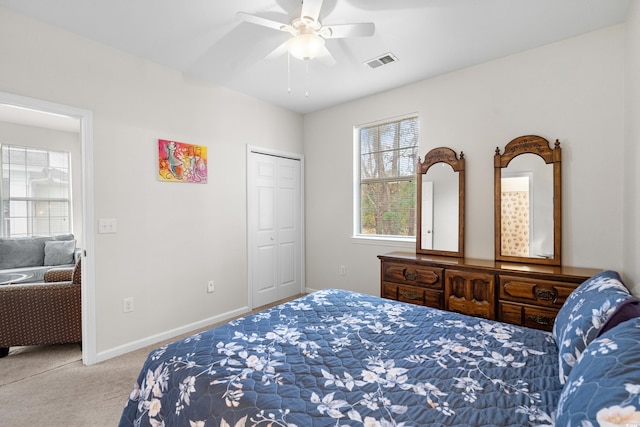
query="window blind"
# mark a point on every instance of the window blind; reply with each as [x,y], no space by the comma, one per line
[388,157]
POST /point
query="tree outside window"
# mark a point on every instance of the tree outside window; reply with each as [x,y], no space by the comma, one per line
[388,158]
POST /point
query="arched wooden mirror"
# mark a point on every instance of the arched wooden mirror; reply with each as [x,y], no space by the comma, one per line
[440,191]
[528,198]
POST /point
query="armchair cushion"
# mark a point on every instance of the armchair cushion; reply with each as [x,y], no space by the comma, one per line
[22,252]
[26,251]
[59,252]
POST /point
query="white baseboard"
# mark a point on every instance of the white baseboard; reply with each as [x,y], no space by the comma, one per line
[154,339]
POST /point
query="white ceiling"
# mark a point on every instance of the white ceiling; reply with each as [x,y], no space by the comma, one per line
[204,38]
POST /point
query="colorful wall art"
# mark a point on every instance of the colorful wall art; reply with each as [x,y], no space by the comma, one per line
[180,162]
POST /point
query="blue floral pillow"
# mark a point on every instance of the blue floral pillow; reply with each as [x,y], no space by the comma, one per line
[603,388]
[584,312]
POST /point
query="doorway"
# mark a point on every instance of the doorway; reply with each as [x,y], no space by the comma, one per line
[275,227]
[515,202]
[85,120]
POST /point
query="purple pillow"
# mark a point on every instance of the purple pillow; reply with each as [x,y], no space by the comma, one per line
[626,310]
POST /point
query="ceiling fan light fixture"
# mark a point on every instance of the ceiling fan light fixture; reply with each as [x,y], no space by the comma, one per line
[305,46]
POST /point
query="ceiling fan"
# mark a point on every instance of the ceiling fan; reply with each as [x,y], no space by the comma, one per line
[309,34]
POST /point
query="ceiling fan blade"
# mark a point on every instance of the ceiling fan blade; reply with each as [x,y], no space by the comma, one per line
[325,57]
[279,51]
[247,17]
[341,31]
[311,9]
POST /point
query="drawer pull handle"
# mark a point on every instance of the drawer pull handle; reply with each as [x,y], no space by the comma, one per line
[409,275]
[541,320]
[546,294]
[409,296]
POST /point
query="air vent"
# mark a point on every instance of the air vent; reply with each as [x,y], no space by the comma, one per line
[385,59]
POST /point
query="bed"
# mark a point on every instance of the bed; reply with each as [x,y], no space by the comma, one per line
[340,358]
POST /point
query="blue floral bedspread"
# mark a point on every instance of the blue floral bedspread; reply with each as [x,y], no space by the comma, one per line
[338,358]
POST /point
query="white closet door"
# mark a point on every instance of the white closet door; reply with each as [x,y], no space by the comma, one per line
[275,231]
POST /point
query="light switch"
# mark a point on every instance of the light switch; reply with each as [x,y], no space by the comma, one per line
[106,225]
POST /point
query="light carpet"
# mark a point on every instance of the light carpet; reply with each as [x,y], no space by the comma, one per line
[49,386]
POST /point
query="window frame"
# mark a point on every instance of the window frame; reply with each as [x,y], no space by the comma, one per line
[357,236]
[32,201]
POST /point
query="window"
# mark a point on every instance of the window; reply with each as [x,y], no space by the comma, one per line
[36,192]
[388,154]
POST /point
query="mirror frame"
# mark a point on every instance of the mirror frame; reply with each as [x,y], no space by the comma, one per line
[529,144]
[448,156]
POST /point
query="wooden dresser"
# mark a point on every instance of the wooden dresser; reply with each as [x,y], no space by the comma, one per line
[522,294]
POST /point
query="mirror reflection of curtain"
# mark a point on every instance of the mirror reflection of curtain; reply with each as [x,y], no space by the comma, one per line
[515,223]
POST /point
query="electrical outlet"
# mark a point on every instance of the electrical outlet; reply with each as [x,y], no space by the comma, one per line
[343,270]
[210,287]
[127,305]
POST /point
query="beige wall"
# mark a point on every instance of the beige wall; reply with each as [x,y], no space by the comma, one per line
[631,154]
[572,90]
[172,238]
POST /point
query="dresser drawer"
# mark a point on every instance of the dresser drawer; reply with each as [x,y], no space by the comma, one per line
[411,274]
[389,291]
[412,294]
[470,293]
[418,295]
[540,292]
[527,315]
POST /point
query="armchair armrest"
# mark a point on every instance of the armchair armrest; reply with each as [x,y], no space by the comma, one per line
[68,274]
[77,254]
[58,275]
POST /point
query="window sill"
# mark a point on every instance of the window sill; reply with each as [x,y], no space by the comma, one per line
[384,241]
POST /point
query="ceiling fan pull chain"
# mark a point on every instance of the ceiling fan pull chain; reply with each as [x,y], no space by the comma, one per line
[306,93]
[288,72]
